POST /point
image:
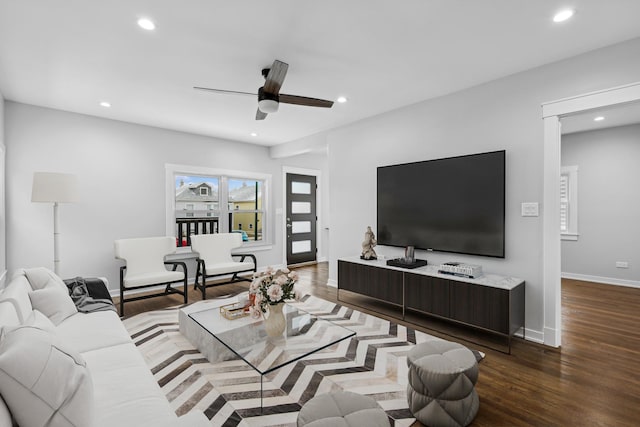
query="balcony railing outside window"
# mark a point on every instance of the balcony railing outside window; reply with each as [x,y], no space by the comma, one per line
[188,226]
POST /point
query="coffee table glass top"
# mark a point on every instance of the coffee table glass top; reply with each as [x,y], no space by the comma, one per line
[305,334]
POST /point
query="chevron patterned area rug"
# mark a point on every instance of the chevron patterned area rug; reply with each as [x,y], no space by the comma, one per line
[372,363]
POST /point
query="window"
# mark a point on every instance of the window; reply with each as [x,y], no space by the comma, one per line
[245,206]
[569,203]
[204,201]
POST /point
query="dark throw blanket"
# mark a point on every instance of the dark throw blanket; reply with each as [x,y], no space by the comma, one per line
[89,295]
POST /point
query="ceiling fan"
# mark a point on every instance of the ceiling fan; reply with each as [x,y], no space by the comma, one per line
[269,96]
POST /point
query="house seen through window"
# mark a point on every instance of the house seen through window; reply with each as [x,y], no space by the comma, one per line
[207,204]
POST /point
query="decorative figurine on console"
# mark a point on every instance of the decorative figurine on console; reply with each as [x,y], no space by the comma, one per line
[368,244]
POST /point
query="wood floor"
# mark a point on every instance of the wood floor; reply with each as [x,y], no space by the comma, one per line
[593,380]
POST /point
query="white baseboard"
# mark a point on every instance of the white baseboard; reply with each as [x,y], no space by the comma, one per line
[531,335]
[333,283]
[551,337]
[599,279]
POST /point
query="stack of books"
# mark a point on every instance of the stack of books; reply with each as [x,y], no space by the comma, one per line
[460,269]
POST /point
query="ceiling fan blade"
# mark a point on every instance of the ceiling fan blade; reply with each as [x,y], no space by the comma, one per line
[303,100]
[275,77]
[227,92]
[260,115]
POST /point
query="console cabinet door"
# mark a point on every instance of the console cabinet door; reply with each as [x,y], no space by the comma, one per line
[427,294]
[481,306]
[381,283]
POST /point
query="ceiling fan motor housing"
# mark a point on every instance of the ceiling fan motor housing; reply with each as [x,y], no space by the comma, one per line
[267,102]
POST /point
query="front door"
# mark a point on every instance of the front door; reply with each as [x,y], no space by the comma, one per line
[301,218]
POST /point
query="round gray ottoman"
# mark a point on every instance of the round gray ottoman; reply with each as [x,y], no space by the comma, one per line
[342,409]
[441,391]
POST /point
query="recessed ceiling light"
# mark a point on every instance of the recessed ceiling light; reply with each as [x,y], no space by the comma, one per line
[598,119]
[105,104]
[563,15]
[254,134]
[341,99]
[146,24]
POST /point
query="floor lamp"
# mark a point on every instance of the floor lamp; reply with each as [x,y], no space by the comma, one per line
[50,187]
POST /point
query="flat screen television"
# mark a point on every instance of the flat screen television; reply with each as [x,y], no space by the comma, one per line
[454,204]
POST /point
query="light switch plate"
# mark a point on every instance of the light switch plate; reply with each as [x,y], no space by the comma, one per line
[530,209]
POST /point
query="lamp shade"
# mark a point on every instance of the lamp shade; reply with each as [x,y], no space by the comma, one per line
[54,187]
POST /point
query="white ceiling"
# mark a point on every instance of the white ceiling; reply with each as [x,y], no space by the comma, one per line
[382,55]
[618,115]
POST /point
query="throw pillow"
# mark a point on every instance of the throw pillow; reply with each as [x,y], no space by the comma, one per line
[43,381]
[40,278]
[40,321]
[53,302]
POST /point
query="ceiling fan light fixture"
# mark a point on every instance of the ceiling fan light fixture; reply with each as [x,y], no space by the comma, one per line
[268,106]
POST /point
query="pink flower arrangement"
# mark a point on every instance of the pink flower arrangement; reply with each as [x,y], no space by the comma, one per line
[271,287]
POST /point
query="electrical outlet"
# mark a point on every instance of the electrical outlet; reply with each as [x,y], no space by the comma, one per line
[622,264]
[529,209]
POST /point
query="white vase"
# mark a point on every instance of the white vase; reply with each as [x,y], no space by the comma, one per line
[275,323]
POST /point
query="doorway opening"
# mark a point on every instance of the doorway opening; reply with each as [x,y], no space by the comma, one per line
[552,112]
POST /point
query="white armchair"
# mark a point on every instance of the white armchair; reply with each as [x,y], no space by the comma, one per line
[215,259]
[145,267]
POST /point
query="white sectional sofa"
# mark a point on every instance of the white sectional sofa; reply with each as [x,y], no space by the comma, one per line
[64,368]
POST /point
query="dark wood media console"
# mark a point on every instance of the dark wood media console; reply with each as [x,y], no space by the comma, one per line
[492,303]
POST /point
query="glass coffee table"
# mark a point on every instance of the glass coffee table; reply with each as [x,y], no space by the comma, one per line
[220,339]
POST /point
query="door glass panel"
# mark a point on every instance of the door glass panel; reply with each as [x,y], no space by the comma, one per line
[300,207]
[301,246]
[300,187]
[301,227]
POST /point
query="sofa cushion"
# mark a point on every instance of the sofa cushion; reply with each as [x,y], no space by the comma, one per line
[92,331]
[43,381]
[53,302]
[40,321]
[140,403]
[8,314]
[41,278]
[17,291]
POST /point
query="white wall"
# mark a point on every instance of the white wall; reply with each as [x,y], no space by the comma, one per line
[504,114]
[608,205]
[121,167]
[3,259]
